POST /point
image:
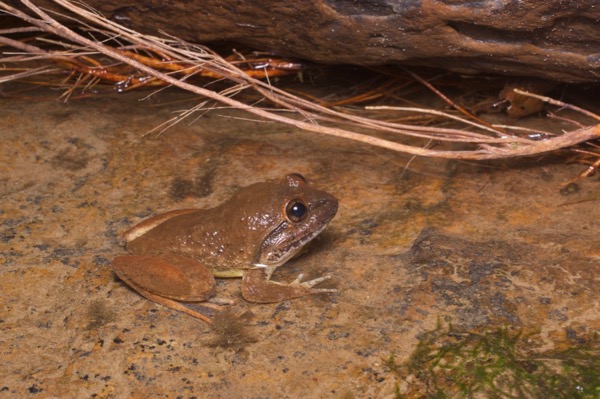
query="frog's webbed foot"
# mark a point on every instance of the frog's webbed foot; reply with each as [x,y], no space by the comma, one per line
[257,287]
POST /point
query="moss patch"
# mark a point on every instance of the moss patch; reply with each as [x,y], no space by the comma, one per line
[501,363]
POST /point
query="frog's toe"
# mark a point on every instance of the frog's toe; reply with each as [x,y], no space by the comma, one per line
[320,290]
[310,283]
[221,301]
[298,280]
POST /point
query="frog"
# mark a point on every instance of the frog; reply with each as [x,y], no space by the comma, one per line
[174,257]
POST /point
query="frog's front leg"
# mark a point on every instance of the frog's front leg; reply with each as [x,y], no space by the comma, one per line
[258,287]
[167,280]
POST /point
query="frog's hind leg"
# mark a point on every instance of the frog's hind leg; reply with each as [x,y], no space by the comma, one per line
[171,304]
[168,280]
[150,223]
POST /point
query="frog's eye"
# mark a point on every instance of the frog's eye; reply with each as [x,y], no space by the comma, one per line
[296,210]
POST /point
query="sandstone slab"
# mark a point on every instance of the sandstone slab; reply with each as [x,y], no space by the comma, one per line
[414,242]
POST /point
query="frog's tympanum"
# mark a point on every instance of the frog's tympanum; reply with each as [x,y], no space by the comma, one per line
[176,255]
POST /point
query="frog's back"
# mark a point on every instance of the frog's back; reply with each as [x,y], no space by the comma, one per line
[262,224]
[207,236]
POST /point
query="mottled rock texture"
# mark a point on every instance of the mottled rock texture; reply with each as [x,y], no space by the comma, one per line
[550,39]
[474,245]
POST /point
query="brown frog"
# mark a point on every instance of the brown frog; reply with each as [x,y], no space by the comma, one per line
[176,255]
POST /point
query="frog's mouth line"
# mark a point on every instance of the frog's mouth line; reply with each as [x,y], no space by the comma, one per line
[278,256]
[297,245]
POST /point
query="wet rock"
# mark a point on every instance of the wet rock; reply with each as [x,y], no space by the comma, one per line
[553,39]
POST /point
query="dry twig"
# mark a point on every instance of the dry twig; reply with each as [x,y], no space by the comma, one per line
[185,59]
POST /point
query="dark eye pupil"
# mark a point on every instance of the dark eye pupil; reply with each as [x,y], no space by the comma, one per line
[296,211]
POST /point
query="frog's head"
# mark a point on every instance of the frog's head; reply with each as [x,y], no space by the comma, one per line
[284,217]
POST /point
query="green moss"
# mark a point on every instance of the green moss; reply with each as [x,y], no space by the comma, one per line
[498,364]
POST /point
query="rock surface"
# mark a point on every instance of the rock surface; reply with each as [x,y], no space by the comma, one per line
[475,245]
[551,39]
